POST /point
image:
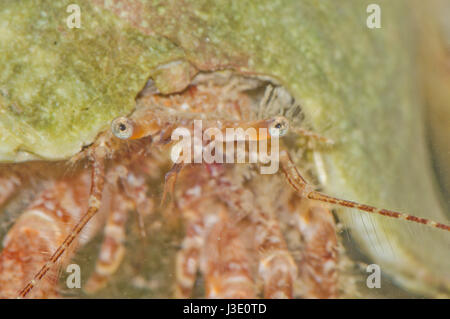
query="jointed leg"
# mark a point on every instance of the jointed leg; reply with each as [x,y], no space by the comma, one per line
[135,188]
[194,204]
[276,265]
[98,172]
[129,190]
[226,265]
[170,180]
[318,266]
[112,250]
[188,258]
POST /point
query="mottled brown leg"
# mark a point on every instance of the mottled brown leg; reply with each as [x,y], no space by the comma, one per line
[112,250]
[188,258]
[276,265]
[129,190]
[318,272]
[170,180]
[226,264]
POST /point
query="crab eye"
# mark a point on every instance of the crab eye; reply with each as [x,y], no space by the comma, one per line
[122,128]
[279,127]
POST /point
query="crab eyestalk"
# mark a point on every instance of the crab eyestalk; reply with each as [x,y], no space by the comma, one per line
[125,128]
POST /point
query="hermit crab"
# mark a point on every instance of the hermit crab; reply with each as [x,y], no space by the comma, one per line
[96,140]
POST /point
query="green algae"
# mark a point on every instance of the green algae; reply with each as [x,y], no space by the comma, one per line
[59,86]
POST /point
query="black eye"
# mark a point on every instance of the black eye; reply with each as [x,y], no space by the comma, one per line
[279,127]
[122,128]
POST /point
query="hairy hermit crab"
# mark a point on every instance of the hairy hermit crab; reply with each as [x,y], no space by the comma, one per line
[88,115]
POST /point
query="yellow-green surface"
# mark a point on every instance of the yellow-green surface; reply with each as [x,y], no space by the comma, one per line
[60,87]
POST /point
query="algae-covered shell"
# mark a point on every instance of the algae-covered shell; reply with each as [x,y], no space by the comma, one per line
[59,87]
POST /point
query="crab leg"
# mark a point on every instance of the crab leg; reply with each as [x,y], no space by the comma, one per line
[226,264]
[170,180]
[276,265]
[318,266]
[188,258]
[112,250]
[193,206]
[130,194]
[98,174]
[135,188]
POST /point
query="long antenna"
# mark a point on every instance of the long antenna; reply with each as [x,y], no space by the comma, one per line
[371,209]
[95,197]
[305,190]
